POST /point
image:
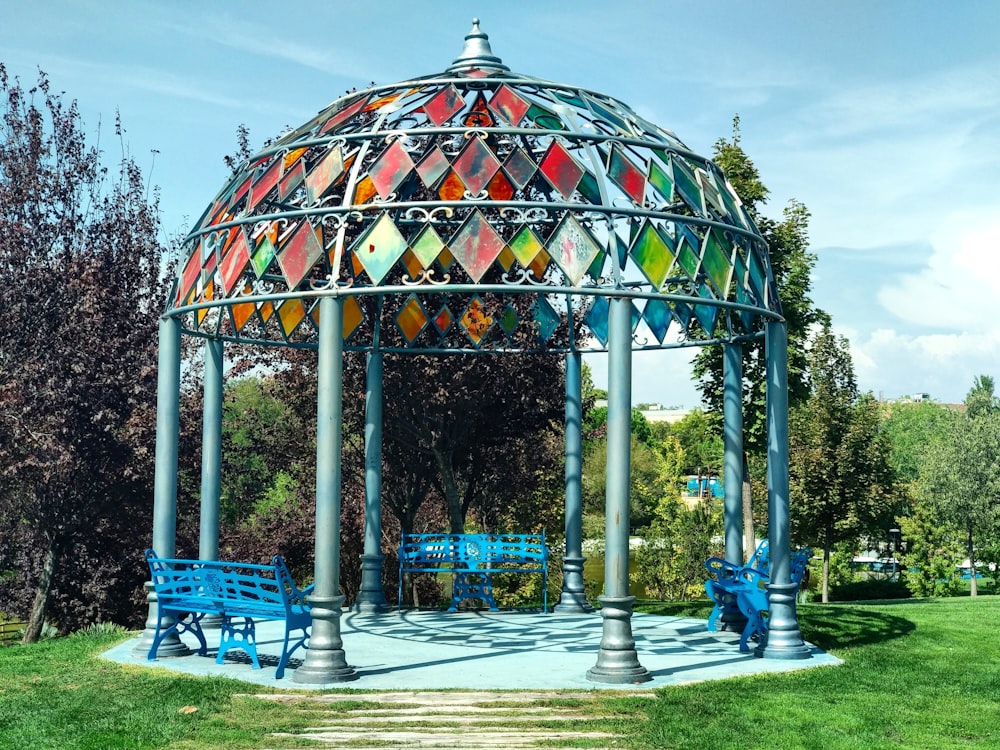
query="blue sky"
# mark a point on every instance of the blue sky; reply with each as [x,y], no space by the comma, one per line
[883,118]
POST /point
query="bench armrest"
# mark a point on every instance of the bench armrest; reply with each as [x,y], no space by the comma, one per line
[721,570]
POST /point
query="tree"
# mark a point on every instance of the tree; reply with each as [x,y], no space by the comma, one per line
[83,271]
[840,476]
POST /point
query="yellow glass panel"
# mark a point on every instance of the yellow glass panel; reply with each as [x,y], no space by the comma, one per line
[506,258]
[411,319]
[354,316]
[292,156]
[413,266]
[291,314]
[475,322]
[266,311]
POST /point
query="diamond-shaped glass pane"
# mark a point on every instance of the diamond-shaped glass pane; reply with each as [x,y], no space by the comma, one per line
[660,180]
[291,180]
[652,254]
[508,320]
[547,319]
[525,246]
[323,175]
[234,262]
[390,169]
[476,245]
[596,319]
[500,188]
[444,320]
[475,322]
[443,105]
[241,314]
[265,184]
[354,316]
[508,105]
[476,165]
[411,319]
[263,256]
[706,314]
[687,256]
[572,247]
[432,166]
[686,184]
[344,115]
[300,254]
[291,313]
[452,188]
[715,261]
[379,248]
[561,169]
[519,167]
[427,246]
[657,317]
[626,176]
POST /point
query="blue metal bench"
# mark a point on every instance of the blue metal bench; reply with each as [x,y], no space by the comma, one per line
[752,597]
[187,591]
[725,577]
[474,558]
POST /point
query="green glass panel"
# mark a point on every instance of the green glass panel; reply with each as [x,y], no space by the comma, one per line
[546,318]
[657,317]
[715,261]
[588,188]
[610,116]
[653,256]
[263,256]
[427,246]
[660,180]
[756,277]
[686,184]
[379,248]
[525,246]
[687,257]
[545,119]
[572,247]
[597,266]
[707,314]
[508,320]
[596,319]
[570,97]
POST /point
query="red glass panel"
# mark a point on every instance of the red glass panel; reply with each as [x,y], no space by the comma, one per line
[444,319]
[292,179]
[432,166]
[500,188]
[323,174]
[343,115]
[508,105]
[476,245]
[476,165]
[452,189]
[190,275]
[238,195]
[479,116]
[626,176]
[561,169]
[300,254]
[390,169]
[443,105]
[234,262]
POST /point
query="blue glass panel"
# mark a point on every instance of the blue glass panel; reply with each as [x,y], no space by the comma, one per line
[657,317]
[707,314]
[596,319]
[547,319]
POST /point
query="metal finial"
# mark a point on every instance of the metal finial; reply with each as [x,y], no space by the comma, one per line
[477,53]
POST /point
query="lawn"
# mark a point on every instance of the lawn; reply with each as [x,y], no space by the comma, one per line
[917,674]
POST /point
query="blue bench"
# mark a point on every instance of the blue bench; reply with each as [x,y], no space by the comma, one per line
[752,597]
[474,558]
[187,591]
[725,577]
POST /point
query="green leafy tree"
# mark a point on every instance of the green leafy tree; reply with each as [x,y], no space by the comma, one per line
[841,480]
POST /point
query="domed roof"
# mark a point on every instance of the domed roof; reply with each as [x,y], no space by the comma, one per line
[475,209]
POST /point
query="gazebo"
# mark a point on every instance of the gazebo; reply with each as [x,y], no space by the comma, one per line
[477,211]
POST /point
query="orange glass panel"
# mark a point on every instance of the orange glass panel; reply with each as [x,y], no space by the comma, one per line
[452,189]
[354,316]
[364,191]
[266,311]
[500,188]
[539,264]
[291,314]
[292,156]
[506,258]
[412,264]
[242,313]
[411,319]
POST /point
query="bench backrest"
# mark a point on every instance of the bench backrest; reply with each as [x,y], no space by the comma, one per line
[761,558]
[223,583]
[472,551]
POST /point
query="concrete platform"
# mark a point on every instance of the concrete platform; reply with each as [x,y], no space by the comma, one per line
[490,651]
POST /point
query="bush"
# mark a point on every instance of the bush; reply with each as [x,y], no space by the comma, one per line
[871,589]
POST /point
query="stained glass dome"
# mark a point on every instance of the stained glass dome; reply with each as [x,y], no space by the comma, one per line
[476,209]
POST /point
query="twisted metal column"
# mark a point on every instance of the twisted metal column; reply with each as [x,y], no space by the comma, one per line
[617,660]
[168,397]
[573,599]
[325,660]
[783,641]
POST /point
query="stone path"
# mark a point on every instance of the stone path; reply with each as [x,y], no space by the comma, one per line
[452,720]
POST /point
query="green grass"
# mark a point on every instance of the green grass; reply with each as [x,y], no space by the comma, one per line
[917,674]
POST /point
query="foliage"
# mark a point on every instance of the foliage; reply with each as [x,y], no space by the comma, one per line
[911,428]
[83,269]
[700,437]
[670,563]
[929,565]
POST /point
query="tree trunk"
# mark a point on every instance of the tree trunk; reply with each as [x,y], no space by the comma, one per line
[36,621]
[456,519]
[826,568]
[749,538]
[973,586]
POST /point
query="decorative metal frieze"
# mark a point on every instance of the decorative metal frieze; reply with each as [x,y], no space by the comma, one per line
[476,184]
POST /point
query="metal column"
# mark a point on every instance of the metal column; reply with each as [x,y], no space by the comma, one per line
[168,396]
[784,641]
[573,599]
[325,660]
[371,597]
[211,452]
[617,660]
[732,410]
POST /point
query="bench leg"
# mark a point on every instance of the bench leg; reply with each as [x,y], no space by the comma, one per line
[286,653]
[465,588]
[242,637]
[179,627]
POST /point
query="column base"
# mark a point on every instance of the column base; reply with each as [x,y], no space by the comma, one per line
[617,660]
[325,659]
[169,647]
[783,639]
[371,597]
[573,598]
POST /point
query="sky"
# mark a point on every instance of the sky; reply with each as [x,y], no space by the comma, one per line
[881,117]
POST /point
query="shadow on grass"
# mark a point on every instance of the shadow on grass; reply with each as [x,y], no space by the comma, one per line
[843,626]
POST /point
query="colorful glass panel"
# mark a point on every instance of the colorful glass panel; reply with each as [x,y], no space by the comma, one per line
[474,321]
[687,257]
[519,167]
[545,119]
[476,245]
[291,312]
[432,166]
[706,314]
[190,273]
[525,246]
[354,316]
[263,256]
[427,246]
[442,106]
[444,320]
[686,185]
[508,320]
[626,176]
[561,169]
[539,265]
[381,102]
[660,180]
[300,254]
[716,262]
[596,319]
[652,254]
[379,248]
[506,258]
[479,115]
[452,189]
[710,191]
[323,175]
[266,310]
[508,105]
[445,259]
[239,194]
[589,189]
[242,313]
[546,318]
[411,264]
[390,169]
[476,165]
[657,317]
[344,115]
[411,319]
[265,184]
[291,157]
[609,116]
[291,180]
[756,277]
[234,262]
[364,191]
[500,188]
[572,247]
